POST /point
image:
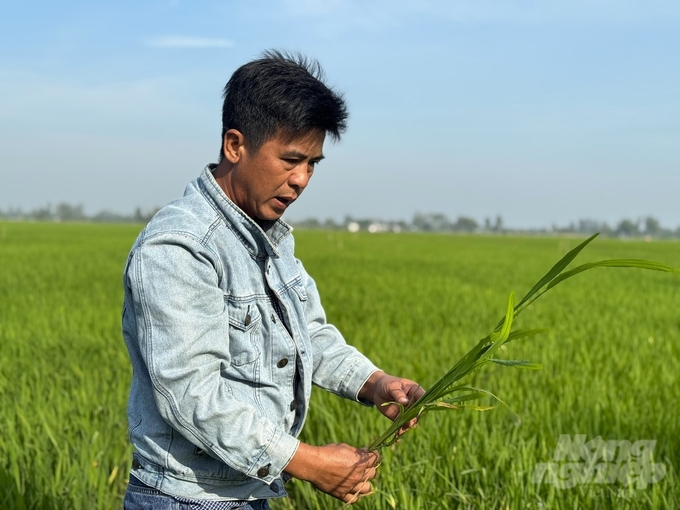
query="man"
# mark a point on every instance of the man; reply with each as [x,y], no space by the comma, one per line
[224,327]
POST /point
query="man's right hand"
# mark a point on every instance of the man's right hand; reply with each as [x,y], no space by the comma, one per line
[340,470]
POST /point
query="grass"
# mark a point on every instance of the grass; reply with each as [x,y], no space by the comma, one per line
[414,304]
[64,372]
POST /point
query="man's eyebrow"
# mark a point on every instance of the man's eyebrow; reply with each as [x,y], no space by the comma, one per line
[300,155]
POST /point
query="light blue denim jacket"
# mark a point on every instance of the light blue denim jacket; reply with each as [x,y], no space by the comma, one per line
[210,408]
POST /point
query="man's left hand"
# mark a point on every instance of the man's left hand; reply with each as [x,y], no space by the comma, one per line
[381,388]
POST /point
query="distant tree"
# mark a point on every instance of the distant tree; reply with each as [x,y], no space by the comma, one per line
[605,229]
[627,228]
[498,226]
[17,213]
[42,213]
[588,226]
[487,224]
[652,226]
[141,216]
[68,212]
[311,223]
[419,222]
[110,217]
[329,224]
[465,224]
[431,222]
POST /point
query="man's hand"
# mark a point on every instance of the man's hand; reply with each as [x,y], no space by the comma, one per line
[381,388]
[340,470]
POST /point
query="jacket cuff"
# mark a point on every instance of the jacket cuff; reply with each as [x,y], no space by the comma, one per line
[355,380]
[275,457]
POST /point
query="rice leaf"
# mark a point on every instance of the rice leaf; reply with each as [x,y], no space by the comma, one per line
[479,408]
[518,363]
[464,398]
[440,406]
[443,406]
[556,269]
[631,263]
[524,333]
[503,334]
[488,393]
[500,337]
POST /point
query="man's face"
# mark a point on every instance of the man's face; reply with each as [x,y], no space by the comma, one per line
[265,182]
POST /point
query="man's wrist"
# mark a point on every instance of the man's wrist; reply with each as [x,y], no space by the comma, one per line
[301,465]
[367,391]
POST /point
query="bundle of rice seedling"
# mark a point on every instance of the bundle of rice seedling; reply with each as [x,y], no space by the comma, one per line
[448,393]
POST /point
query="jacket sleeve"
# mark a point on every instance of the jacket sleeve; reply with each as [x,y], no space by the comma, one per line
[338,367]
[183,336]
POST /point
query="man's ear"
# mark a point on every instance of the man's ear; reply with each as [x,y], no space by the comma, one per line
[232,145]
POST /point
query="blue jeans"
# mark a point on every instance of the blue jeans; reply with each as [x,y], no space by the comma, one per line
[142,497]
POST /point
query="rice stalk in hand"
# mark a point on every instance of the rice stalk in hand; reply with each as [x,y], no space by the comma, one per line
[449,394]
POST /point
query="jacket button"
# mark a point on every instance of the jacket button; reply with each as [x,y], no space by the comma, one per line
[274,486]
[247,321]
[135,464]
[263,471]
[282,362]
[274,318]
[293,405]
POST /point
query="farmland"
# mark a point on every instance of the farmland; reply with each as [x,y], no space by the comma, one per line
[414,304]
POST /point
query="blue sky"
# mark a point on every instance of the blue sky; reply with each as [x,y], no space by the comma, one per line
[542,112]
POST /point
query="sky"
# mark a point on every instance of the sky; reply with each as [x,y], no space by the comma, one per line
[541,112]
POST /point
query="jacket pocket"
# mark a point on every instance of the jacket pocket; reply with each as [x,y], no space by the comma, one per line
[299,290]
[244,332]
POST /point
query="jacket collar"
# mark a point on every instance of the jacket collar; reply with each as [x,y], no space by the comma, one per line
[259,241]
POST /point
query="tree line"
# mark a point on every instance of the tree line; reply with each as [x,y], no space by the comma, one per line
[438,222]
[76,213]
[421,222]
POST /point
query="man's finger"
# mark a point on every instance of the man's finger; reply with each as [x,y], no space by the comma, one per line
[371,459]
[359,490]
[415,392]
[370,474]
[410,425]
[351,498]
[398,395]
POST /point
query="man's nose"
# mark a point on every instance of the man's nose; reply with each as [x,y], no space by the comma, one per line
[299,177]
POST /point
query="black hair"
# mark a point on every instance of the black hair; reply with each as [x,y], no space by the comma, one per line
[281,92]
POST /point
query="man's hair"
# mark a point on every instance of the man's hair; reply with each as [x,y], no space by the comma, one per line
[281,92]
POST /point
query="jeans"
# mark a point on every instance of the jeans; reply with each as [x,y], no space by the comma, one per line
[142,497]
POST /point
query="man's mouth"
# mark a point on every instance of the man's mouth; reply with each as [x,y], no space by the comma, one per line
[284,201]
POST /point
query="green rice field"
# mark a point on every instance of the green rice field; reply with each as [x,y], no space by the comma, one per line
[414,304]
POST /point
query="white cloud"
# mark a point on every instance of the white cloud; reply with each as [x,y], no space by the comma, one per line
[175,41]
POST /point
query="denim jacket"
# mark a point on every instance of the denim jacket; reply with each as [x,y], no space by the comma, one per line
[212,407]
